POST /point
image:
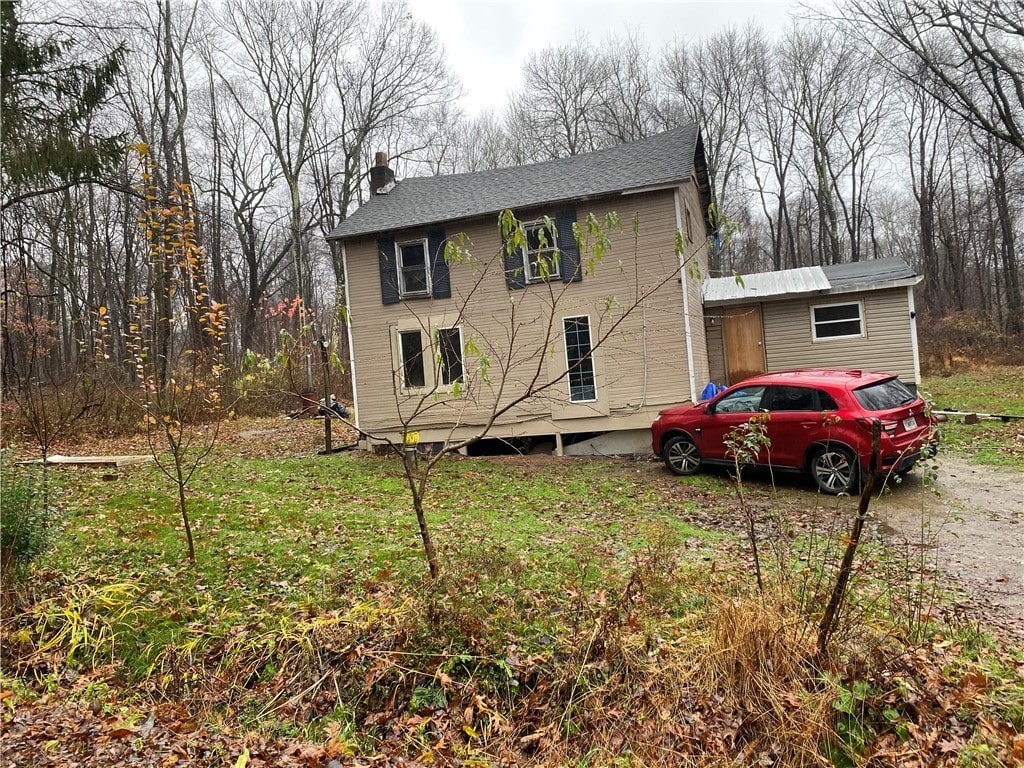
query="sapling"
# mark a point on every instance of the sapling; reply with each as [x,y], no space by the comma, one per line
[745,442]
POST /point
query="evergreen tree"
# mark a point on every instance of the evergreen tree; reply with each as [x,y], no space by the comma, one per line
[47,105]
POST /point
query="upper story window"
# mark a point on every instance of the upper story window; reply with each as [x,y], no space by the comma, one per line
[550,252]
[541,258]
[413,268]
[837,321]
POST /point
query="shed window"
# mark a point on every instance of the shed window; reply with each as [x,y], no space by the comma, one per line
[837,321]
[580,363]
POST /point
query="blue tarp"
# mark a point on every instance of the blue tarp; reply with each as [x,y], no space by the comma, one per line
[711,390]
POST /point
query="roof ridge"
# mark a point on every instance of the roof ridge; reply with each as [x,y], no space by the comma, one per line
[416,201]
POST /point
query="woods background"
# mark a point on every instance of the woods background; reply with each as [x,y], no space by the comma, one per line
[867,129]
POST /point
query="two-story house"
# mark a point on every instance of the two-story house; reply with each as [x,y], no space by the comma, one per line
[442,346]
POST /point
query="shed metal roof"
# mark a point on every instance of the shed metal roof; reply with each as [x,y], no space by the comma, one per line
[762,285]
[802,281]
[666,158]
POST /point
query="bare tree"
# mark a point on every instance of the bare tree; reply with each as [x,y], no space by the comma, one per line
[714,81]
[562,89]
[245,178]
[391,89]
[287,53]
[1003,169]
[771,146]
[629,108]
[485,144]
[966,54]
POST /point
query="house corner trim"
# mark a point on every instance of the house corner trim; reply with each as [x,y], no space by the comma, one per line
[684,283]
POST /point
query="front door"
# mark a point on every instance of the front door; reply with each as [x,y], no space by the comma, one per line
[744,342]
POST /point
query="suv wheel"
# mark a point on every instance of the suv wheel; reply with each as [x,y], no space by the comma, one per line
[834,470]
[681,456]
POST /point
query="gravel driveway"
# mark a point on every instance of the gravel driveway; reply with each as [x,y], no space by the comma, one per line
[973,517]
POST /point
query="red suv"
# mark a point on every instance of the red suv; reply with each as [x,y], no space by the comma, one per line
[818,421]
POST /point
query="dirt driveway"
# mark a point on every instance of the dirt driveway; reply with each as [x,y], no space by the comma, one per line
[971,518]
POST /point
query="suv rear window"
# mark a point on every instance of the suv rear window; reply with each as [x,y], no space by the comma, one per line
[884,395]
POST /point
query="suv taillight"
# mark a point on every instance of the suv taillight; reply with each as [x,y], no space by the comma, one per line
[889,426]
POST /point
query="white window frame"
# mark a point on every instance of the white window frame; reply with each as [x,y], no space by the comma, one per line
[590,357]
[434,376]
[551,248]
[439,357]
[424,359]
[399,265]
[860,317]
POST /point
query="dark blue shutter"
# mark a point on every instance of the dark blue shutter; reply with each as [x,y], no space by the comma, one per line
[515,271]
[440,279]
[572,270]
[388,271]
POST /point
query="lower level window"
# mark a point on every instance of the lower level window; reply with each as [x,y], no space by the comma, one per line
[838,321]
[449,343]
[411,348]
[582,384]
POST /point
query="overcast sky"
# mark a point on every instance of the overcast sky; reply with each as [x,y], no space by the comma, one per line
[487,40]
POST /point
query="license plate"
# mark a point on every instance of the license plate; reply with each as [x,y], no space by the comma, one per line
[910,423]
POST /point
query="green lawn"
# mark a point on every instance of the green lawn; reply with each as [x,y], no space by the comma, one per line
[582,605]
[993,390]
[283,534]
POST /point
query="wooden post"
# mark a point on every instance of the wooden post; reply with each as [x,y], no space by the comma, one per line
[325,362]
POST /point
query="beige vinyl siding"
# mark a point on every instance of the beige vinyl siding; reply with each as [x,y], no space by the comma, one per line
[886,345]
[716,346]
[640,369]
[696,273]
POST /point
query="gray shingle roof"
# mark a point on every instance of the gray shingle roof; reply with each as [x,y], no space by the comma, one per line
[802,281]
[858,274]
[418,201]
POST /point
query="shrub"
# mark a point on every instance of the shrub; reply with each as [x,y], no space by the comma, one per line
[26,520]
[965,340]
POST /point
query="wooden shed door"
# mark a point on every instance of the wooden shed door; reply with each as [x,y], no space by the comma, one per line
[744,342]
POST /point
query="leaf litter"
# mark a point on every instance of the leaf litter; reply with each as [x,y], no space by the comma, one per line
[625,679]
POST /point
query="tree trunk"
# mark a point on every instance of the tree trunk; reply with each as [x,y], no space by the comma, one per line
[831,616]
[409,457]
[1014,322]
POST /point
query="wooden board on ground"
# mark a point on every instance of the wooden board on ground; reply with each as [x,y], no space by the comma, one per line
[93,461]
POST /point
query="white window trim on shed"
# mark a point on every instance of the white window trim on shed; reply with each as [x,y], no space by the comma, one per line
[815,322]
